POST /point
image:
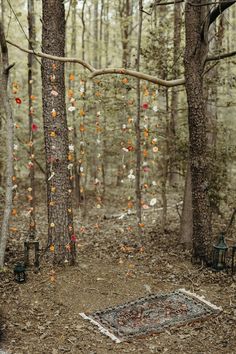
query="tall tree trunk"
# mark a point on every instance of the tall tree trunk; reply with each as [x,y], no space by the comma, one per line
[95,34]
[32,40]
[2,9]
[194,58]
[9,144]
[72,88]
[137,126]
[59,190]
[173,176]
[125,12]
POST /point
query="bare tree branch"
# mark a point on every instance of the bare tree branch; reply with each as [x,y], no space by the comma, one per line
[53,57]
[138,74]
[221,56]
[105,71]
[121,71]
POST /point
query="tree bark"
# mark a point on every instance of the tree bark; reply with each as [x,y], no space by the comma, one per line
[194,59]
[60,218]
[186,225]
[9,144]
[32,40]
[137,128]
[173,176]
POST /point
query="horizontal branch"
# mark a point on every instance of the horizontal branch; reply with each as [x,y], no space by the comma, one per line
[139,75]
[98,72]
[221,56]
[53,57]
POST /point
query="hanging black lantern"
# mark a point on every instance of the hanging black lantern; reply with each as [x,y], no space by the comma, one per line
[219,254]
[19,273]
[233,265]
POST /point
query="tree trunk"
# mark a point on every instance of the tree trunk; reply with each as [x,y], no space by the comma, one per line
[137,128]
[186,225]
[72,88]
[194,58]
[59,190]
[32,40]
[9,144]
[173,176]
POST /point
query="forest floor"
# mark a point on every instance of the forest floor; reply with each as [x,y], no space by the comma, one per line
[41,316]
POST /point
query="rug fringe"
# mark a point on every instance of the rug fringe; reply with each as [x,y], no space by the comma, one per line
[201,298]
[100,327]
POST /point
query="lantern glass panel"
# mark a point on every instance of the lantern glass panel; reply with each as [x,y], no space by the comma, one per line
[19,272]
[219,254]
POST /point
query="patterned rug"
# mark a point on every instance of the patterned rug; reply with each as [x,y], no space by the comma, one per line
[151,315]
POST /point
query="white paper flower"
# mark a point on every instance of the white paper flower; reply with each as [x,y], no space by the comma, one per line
[54,93]
[71,109]
[153,201]
[131,176]
[71,148]
[70,166]
[155,108]
[155,149]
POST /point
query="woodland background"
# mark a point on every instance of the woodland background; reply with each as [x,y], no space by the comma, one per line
[113,128]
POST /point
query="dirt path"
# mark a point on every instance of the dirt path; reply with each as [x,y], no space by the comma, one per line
[42,315]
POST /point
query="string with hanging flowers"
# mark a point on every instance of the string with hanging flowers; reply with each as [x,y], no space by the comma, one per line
[128,149]
[15,187]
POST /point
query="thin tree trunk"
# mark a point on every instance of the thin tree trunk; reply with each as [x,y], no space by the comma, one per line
[101,33]
[72,88]
[173,176]
[9,144]
[106,34]
[137,126]
[95,34]
[32,40]
[165,164]
[83,189]
[59,188]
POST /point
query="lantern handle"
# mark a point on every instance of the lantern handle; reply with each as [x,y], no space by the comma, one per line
[231,221]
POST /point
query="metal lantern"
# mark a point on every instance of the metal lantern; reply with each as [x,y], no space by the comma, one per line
[19,273]
[219,254]
[233,265]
